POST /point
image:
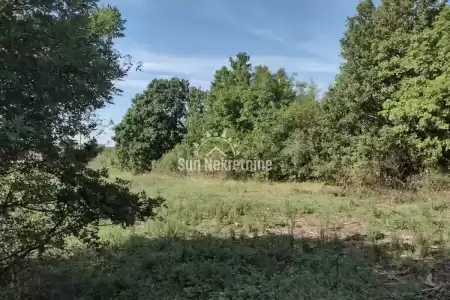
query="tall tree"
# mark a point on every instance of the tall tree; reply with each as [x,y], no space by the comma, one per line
[382,58]
[419,108]
[351,102]
[398,25]
[58,65]
[154,124]
[195,112]
[252,104]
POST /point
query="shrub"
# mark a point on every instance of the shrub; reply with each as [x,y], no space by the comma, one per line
[170,160]
[430,182]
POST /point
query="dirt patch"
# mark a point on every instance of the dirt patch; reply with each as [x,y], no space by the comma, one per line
[313,227]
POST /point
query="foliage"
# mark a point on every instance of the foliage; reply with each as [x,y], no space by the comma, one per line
[195,112]
[170,160]
[256,107]
[387,105]
[58,65]
[420,107]
[241,97]
[384,120]
[153,124]
[301,121]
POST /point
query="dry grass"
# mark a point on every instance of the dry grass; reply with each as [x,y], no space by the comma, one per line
[219,239]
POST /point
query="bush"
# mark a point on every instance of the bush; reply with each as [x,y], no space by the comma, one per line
[362,176]
[431,182]
[106,158]
[170,160]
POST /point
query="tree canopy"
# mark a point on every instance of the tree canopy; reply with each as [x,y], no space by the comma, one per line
[154,124]
[389,103]
[386,114]
[58,66]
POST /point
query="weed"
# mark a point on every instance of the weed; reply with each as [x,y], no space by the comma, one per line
[215,240]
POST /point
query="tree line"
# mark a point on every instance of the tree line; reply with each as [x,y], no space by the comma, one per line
[385,119]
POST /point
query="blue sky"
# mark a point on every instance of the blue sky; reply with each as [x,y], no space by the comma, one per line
[192,38]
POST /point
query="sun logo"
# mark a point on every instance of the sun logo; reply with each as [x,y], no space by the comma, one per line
[213,145]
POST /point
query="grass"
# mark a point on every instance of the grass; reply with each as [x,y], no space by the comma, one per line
[219,239]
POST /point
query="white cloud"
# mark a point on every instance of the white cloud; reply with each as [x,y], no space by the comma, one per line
[138,81]
[204,67]
[276,31]
[136,85]
[204,84]
[322,46]
[200,70]
[266,34]
[140,4]
[295,64]
[132,83]
[319,47]
[180,65]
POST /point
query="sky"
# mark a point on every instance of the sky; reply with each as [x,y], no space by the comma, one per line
[192,38]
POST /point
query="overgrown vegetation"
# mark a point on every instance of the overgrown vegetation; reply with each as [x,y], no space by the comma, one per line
[384,120]
[58,65]
[234,240]
[69,231]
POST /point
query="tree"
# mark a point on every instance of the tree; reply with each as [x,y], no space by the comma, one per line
[386,108]
[229,91]
[58,65]
[154,124]
[420,107]
[259,109]
[352,103]
[195,112]
[301,124]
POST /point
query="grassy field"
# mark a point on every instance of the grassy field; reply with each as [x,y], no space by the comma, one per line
[219,239]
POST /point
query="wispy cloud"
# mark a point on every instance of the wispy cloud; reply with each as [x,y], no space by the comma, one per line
[140,4]
[266,34]
[185,65]
[320,47]
[295,64]
[200,70]
[314,44]
[132,83]
[136,85]
[204,67]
